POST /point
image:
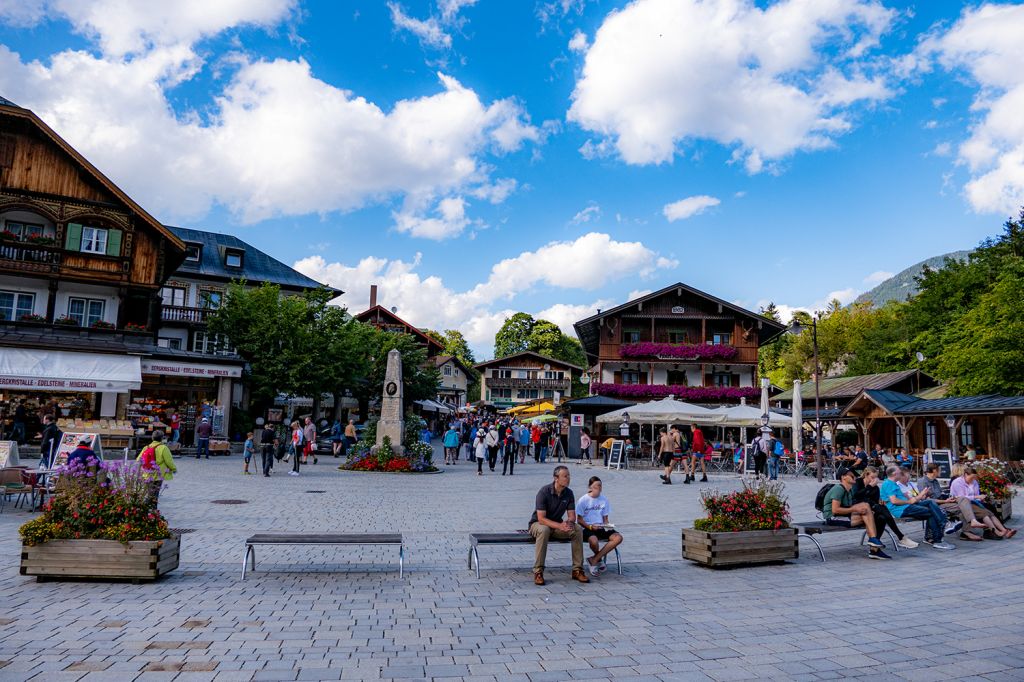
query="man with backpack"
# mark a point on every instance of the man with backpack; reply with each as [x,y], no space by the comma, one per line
[157,464]
[837,507]
[762,448]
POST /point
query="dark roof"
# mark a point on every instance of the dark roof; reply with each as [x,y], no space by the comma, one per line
[58,338]
[181,354]
[849,387]
[414,330]
[545,358]
[890,401]
[440,360]
[594,405]
[257,267]
[7,103]
[586,329]
[896,403]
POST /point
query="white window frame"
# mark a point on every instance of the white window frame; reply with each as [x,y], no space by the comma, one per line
[236,254]
[171,342]
[199,252]
[19,228]
[173,290]
[447,370]
[87,316]
[94,240]
[633,375]
[17,308]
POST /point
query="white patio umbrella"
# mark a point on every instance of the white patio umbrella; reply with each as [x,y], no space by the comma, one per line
[748,415]
[798,416]
[664,411]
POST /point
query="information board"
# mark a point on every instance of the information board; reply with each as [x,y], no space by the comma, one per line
[616,455]
[69,441]
[944,458]
[9,454]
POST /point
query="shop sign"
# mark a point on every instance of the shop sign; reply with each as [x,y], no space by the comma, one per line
[187,369]
[31,382]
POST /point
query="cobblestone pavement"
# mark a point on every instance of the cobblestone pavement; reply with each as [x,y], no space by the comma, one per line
[343,613]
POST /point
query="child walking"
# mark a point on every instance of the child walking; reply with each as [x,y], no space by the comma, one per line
[247,451]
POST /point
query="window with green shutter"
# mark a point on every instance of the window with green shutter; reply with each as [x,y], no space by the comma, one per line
[73,238]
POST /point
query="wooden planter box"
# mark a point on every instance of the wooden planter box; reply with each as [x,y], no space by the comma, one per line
[136,560]
[1004,508]
[745,547]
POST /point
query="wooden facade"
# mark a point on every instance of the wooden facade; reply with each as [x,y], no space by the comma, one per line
[524,377]
[382,318]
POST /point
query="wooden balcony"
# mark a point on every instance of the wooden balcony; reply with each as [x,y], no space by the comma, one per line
[23,257]
[551,384]
[29,257]
[173,313]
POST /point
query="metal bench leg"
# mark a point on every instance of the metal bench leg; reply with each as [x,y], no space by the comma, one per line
[401,561]
[863,537]
[618,561]
[820,551]
[250,551]
[892,537]
[469,559]
[476,558]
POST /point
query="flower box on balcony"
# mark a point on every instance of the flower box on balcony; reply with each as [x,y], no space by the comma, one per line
[67,322]
[102,324]
[654,391]
[677,351]
[32,318]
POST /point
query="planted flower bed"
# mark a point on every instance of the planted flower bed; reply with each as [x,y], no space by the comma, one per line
[417,457]
[102,522]
[996,486]
[748,526]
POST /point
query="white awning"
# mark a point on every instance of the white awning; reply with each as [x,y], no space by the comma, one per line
[59,370]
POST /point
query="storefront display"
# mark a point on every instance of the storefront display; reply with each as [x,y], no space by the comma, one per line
[35,404]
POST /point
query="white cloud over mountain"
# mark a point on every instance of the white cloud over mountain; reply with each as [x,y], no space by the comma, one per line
[986,45]
[586,263]
[254,150]
[766,81]
[689,207]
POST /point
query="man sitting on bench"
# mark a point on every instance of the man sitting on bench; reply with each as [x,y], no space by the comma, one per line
[553,502]
[592,511]
[839,509]
[916,507]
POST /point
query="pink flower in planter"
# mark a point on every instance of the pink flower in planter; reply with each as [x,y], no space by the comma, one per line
[682,351]
[641,391]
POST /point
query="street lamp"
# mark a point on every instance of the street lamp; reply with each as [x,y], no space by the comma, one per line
[951,425]
[796,328]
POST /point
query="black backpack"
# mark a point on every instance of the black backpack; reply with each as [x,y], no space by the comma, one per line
[819,499]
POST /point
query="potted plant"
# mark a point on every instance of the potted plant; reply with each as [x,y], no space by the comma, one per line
[66,321]
[134,327]
[995,486]
[102,324]
[100,523]
[8,236]
[41,240]
[32,317]
[746,526]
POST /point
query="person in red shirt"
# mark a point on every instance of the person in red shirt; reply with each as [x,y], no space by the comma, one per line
[697,447]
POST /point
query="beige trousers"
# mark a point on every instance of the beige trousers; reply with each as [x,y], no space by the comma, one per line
[544,534]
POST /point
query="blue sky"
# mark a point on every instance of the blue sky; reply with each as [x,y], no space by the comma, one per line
[475,158]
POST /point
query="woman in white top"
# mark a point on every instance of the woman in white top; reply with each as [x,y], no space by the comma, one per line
[592,512]
[479,451]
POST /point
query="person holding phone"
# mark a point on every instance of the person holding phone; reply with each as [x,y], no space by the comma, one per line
[592,513]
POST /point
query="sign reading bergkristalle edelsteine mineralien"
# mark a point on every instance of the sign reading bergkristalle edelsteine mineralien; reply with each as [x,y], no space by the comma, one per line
[392,419]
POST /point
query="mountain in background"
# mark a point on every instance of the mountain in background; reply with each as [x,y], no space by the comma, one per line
[902,285]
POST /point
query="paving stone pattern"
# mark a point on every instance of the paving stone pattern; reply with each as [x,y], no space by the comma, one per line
[329,613]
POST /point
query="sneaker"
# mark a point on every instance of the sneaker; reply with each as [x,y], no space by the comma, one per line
[667,481]
[907,542]
[594,569]
[602,565]
[875,542]
[293,473]
[953,526]
[315,460]
[943,545]
[878,554]
[662,476]
[686,481]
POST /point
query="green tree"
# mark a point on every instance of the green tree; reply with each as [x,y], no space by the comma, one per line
[514,335]
[455,344]
[983,352]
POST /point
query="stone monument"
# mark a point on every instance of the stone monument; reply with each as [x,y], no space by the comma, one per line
[392,419]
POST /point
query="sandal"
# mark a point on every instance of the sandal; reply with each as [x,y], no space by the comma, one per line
[971,537]
[1010,532]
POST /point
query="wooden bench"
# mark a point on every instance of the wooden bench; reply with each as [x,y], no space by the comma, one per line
[519,537]
[321,539]
[812,528]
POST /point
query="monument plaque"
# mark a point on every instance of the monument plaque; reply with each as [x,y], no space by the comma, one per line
[392,420]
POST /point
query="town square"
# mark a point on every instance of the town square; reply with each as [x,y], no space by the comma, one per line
[539,340]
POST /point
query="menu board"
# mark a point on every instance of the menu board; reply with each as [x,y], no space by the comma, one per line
[944,458]
[9,454]
[69,441]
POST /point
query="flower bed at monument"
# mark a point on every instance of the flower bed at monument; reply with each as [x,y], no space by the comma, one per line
[417,457]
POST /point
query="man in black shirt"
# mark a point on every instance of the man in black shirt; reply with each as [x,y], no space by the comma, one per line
[50,442]
[554,502]
[269,441]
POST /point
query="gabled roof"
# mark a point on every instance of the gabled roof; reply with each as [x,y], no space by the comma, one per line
[440,360]
[833,388]
[257,266]
[9,108]
[543,358]
[381,311]
[586,329]
[896,403]
[890,401]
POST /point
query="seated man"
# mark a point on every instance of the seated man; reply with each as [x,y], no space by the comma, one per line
[904,459]
[592,512]
[839,509]
[916,507]
[553,502]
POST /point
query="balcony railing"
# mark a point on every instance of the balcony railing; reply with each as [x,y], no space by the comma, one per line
[558,384]
[29,257]
[174,313]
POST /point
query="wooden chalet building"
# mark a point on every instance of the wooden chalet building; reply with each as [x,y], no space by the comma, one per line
[455,379]
[677,341]
[524,377]
[81,265]
[386,320]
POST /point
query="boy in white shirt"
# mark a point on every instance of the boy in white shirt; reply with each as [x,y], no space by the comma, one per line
[592,512]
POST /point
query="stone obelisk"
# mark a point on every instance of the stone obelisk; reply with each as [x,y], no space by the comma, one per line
[392,419]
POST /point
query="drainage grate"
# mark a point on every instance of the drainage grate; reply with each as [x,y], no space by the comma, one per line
[315,492]
[229,501]
[182,531]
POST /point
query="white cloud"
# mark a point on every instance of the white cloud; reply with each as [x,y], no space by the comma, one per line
[931,125]
[429,31]
[451,8]
[768,81]
[942,149]
[551,11]
[252,149]
[592,212]
[565,314]
[986,44]
[877,277]
[588,262]
[579,42]
[844,296]
[689,207]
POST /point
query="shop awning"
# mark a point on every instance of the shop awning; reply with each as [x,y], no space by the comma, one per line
[57,370]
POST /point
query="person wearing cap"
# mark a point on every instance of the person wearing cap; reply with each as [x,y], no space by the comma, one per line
[203,438]
[82,452]
[840,508]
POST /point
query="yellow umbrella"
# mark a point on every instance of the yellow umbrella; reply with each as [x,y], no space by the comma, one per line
[539,408]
